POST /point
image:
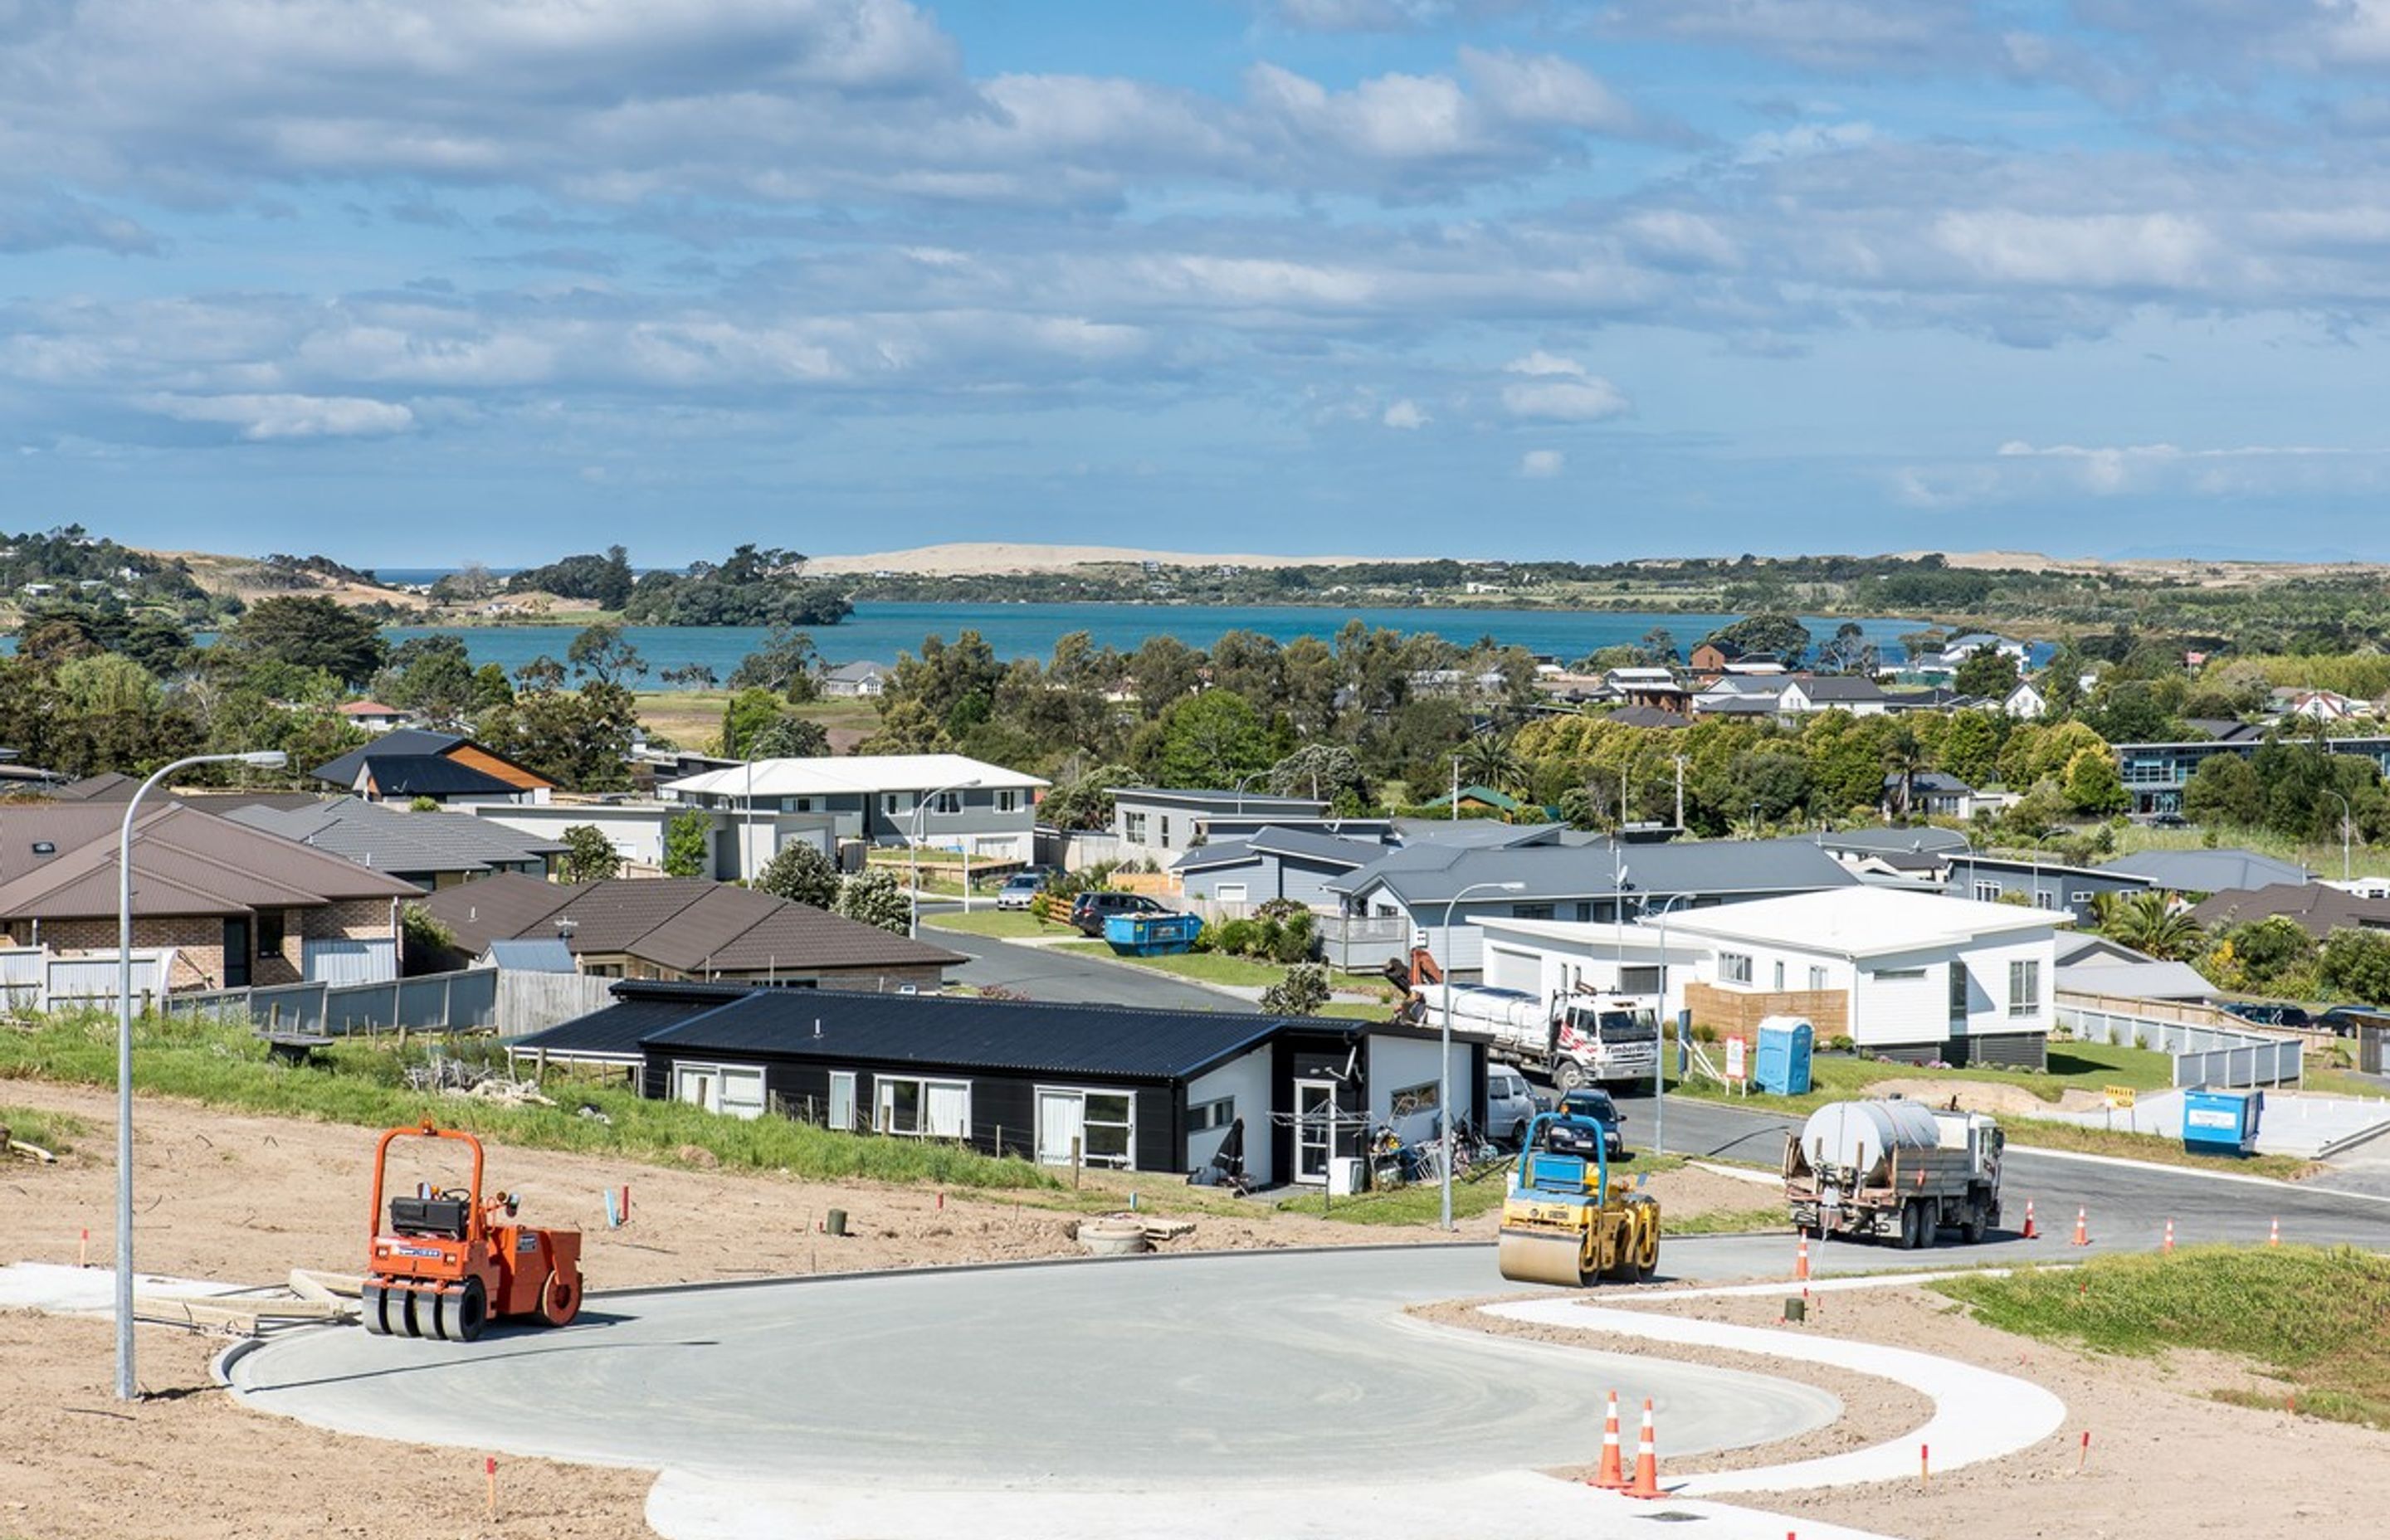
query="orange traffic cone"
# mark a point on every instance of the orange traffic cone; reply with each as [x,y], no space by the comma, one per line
[2274,1235]
[1612,1477]
[1800,1260]
[2082,1227]
[2168,1244]
[1647,1461]
[2032,1230]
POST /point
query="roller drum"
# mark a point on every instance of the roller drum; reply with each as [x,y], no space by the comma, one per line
[1540,1259]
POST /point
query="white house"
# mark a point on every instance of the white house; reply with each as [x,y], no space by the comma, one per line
[864,680]
[942,801]
[1908,975]
[1553,957]
[2025,702]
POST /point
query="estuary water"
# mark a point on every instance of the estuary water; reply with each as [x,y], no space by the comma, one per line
[879,631]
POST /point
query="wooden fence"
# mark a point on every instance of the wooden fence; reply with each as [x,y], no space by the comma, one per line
[1735,1013]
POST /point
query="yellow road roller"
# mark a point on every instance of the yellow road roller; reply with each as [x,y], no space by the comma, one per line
[1560,1224]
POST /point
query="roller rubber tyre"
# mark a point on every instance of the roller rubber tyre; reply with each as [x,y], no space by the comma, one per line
[559,1298]
[413,1313]
[1647,1254]
[472,1313]
[443,1315]
[373,1300]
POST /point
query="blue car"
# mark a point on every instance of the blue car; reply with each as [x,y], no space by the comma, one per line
[1595,1106]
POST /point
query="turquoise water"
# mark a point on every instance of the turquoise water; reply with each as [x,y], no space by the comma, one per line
[880,631]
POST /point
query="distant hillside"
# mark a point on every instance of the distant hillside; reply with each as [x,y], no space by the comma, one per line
[250,579]
[992,559]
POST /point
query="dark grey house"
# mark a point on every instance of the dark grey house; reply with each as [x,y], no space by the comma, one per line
[1274,862]
[1155,824]
[2041,884]
[1134,1089]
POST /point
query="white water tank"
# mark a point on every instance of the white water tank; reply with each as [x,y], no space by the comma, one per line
[1857,1135]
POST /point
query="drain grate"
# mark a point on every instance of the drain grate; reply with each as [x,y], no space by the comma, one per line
[1673,1516]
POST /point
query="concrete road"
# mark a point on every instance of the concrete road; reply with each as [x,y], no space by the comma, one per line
[2129,1204]
[1274,1369]
[1044,973]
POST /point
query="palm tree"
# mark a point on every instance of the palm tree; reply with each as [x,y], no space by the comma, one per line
[2153,922]
[1491,763]
[1904,759]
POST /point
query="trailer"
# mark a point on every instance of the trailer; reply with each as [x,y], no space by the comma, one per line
[1893,1169]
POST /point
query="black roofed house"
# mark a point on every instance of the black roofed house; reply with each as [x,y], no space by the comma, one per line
[1121,1086]
[408,763]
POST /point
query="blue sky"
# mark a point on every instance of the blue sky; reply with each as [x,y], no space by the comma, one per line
[413,282]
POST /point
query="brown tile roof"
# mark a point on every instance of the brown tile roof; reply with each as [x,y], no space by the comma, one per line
[185,862]
[678,923]
[2313,906]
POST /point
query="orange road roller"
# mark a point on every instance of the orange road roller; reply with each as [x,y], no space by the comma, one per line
[446,1263]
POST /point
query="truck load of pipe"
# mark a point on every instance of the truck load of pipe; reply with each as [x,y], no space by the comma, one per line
[1860,1137]
[1514,1009]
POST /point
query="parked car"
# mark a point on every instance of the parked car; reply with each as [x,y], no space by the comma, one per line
[1510,1105]
[1089,910]
[1018,889]
[2344,1020]
[2267,1014]
[1595,1104]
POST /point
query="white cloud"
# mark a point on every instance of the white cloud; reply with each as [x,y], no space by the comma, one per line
[1541,465]
[1559,390]
[1404,414]
[2097,251]
[263,417]
[1542,363]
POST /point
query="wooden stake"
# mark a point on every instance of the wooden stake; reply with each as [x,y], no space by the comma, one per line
[1924,1466]
[2084,1457]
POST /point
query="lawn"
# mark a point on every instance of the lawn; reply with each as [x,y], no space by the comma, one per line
[1009,924]
[2364,860]
[363,1083]
[2317,1320]
[693,718]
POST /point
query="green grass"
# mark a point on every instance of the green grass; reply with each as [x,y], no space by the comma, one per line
[2317,1320]
[2364,860]
[1478,1191]
[1011,924]
[362,1083]
[55,1132]
[1775,1216]
[1214,968]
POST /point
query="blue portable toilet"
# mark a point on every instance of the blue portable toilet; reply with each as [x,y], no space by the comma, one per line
[1783,1059]
[2221,1123]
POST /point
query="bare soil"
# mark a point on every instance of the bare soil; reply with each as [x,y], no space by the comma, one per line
[245,1200]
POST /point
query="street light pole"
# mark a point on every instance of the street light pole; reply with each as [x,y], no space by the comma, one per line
[913,859]
[1444,1057]
[265,759]
[1660,1056]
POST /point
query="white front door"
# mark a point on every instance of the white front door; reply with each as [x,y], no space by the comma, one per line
[1060,1125]
[698,1087]
[1315,1130]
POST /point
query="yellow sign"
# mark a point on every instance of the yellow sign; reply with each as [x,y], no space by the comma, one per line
[2118,1096]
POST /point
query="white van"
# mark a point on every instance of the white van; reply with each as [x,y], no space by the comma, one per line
[1509,1105]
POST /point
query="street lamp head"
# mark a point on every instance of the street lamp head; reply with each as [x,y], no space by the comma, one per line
[1509,887]
[264,759]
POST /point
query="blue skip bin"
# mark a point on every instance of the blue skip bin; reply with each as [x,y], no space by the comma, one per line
[1151,935]
[2221,1123]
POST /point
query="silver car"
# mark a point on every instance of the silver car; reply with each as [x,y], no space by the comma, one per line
[1510,1105]
[1017,891]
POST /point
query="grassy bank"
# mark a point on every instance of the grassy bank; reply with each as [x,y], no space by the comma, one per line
[363,1083]
[1214,968]
[55,1132]
[2317,1321]
[1007,924]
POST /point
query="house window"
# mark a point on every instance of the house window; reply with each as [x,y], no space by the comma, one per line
[924,1109]
[888,803]
[1423,1098]
[1165,831]
[796,804]
[269,932]
[1638,980]
[2024,987]
[1816,978]
[2079,898]
[2044,899]
[842,1101]
[1899,973]
[1101,1124]
[1204,1116]
[1008,801]
[1779,977]
[1133,827]
[1232,893]
[1987,892]
[1530,911]
[1734,968]
[945,804]
[735,1089]
[1958,991]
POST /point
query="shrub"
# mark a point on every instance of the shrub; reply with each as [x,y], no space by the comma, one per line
[1238,937]
[1302,992]
[1295,939]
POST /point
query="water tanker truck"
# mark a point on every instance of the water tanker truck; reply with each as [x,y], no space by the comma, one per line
[1893,1169]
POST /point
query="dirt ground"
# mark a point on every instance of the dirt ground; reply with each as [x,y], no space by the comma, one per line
[246,1199]
[2165,1460]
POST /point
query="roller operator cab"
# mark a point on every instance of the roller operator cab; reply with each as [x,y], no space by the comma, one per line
[444,1263]
[1562,1224]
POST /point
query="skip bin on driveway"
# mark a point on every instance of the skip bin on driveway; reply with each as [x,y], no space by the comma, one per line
[2221,1123]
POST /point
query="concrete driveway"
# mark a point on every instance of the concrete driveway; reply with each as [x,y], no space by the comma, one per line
[1264,1369]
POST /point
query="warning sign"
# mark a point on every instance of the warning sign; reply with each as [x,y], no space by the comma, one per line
[2119,1097]
[1734,1049]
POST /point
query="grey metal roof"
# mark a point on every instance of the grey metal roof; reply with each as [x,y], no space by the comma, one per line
[404,741]
[1841,687]
[1272,839]
[1229,801]
[430,776]
[640,1008]
[1924,837]
[389,839]
[2206,871]
[533,954]
[1451,833]
[1028,1035]
[1551,873]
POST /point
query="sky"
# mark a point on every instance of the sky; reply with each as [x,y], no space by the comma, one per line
[416,282]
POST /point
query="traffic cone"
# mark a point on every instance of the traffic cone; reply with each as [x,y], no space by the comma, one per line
[2274,1236]
[2168,1244]
[2032,1230]
[1800,1260]
[1612,1477]
[2082,1227]
[1647,1461]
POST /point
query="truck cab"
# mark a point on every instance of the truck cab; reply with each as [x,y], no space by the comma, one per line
[1603,1038]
